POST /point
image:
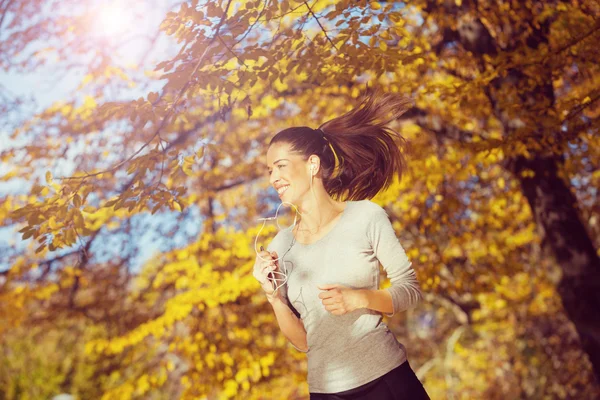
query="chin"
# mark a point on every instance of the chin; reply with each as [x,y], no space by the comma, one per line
[286,199]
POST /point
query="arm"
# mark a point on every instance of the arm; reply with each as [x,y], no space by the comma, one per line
[378,300]
[291,326]
[288,319]
[405,291]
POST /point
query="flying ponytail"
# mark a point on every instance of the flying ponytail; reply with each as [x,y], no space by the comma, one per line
[359,153]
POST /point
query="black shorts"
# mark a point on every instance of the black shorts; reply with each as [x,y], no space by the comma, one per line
[401,383]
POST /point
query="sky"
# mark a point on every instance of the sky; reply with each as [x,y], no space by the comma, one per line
[115,22]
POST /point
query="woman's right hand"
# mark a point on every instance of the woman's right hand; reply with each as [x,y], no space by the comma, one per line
[264,264]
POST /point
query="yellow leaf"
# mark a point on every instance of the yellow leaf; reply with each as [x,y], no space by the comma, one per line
[375,5]
[170,366]
[70,237]
[187,169]
[383,46]
[78,218]
[280,86]
[66,109]
[36,189]
[48,177]
[385,35]
[89,102]
[177,206]
[52,223]
[87,79]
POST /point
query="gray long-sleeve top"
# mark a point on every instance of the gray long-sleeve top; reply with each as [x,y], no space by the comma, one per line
[347,351]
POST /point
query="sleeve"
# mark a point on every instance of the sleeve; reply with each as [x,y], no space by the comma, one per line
[405,288]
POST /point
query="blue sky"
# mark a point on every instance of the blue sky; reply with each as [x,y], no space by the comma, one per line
[49,84]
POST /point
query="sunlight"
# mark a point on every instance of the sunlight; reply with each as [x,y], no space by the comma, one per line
[113,19]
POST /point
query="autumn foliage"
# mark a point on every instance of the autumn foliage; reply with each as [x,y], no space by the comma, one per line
[498,209]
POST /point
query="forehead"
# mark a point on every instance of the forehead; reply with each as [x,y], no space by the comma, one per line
[278,151]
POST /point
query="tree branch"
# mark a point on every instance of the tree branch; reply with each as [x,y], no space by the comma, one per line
[170,110]
[319,22]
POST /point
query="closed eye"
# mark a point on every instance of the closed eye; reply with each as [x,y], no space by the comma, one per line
[270,171]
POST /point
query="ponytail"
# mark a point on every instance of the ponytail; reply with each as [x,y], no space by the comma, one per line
[359,153]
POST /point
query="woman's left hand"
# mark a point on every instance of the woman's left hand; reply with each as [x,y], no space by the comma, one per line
[339,299]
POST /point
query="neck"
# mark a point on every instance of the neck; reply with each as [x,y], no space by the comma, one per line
[317,210]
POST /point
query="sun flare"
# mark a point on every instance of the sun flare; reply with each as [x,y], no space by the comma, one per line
[113,20]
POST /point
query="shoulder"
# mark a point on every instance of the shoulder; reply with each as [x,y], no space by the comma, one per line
[368,209]
[368,215]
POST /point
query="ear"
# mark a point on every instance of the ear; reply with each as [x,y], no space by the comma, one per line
[314,163]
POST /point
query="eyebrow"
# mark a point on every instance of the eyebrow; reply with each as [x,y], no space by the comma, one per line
[281,159]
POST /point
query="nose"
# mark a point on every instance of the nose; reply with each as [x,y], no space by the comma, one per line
[274,177]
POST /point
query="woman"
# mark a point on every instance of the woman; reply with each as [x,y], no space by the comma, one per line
[329,306]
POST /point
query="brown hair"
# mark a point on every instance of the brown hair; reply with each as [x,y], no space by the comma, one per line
[367,150]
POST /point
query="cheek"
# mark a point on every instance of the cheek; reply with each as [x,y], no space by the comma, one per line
[301,180]
[300,174]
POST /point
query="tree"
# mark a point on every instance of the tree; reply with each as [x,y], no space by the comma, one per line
[501,174]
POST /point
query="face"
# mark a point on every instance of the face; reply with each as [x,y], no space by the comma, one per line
[289,174]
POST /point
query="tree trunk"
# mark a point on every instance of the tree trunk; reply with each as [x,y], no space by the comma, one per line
[553,205]
[555,211]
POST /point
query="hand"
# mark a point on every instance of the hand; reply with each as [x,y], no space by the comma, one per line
[339,299]
[263,266]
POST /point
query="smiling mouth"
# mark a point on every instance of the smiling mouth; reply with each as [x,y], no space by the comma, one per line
[282,190]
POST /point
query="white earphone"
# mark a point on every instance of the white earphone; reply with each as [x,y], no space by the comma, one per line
[279,282]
